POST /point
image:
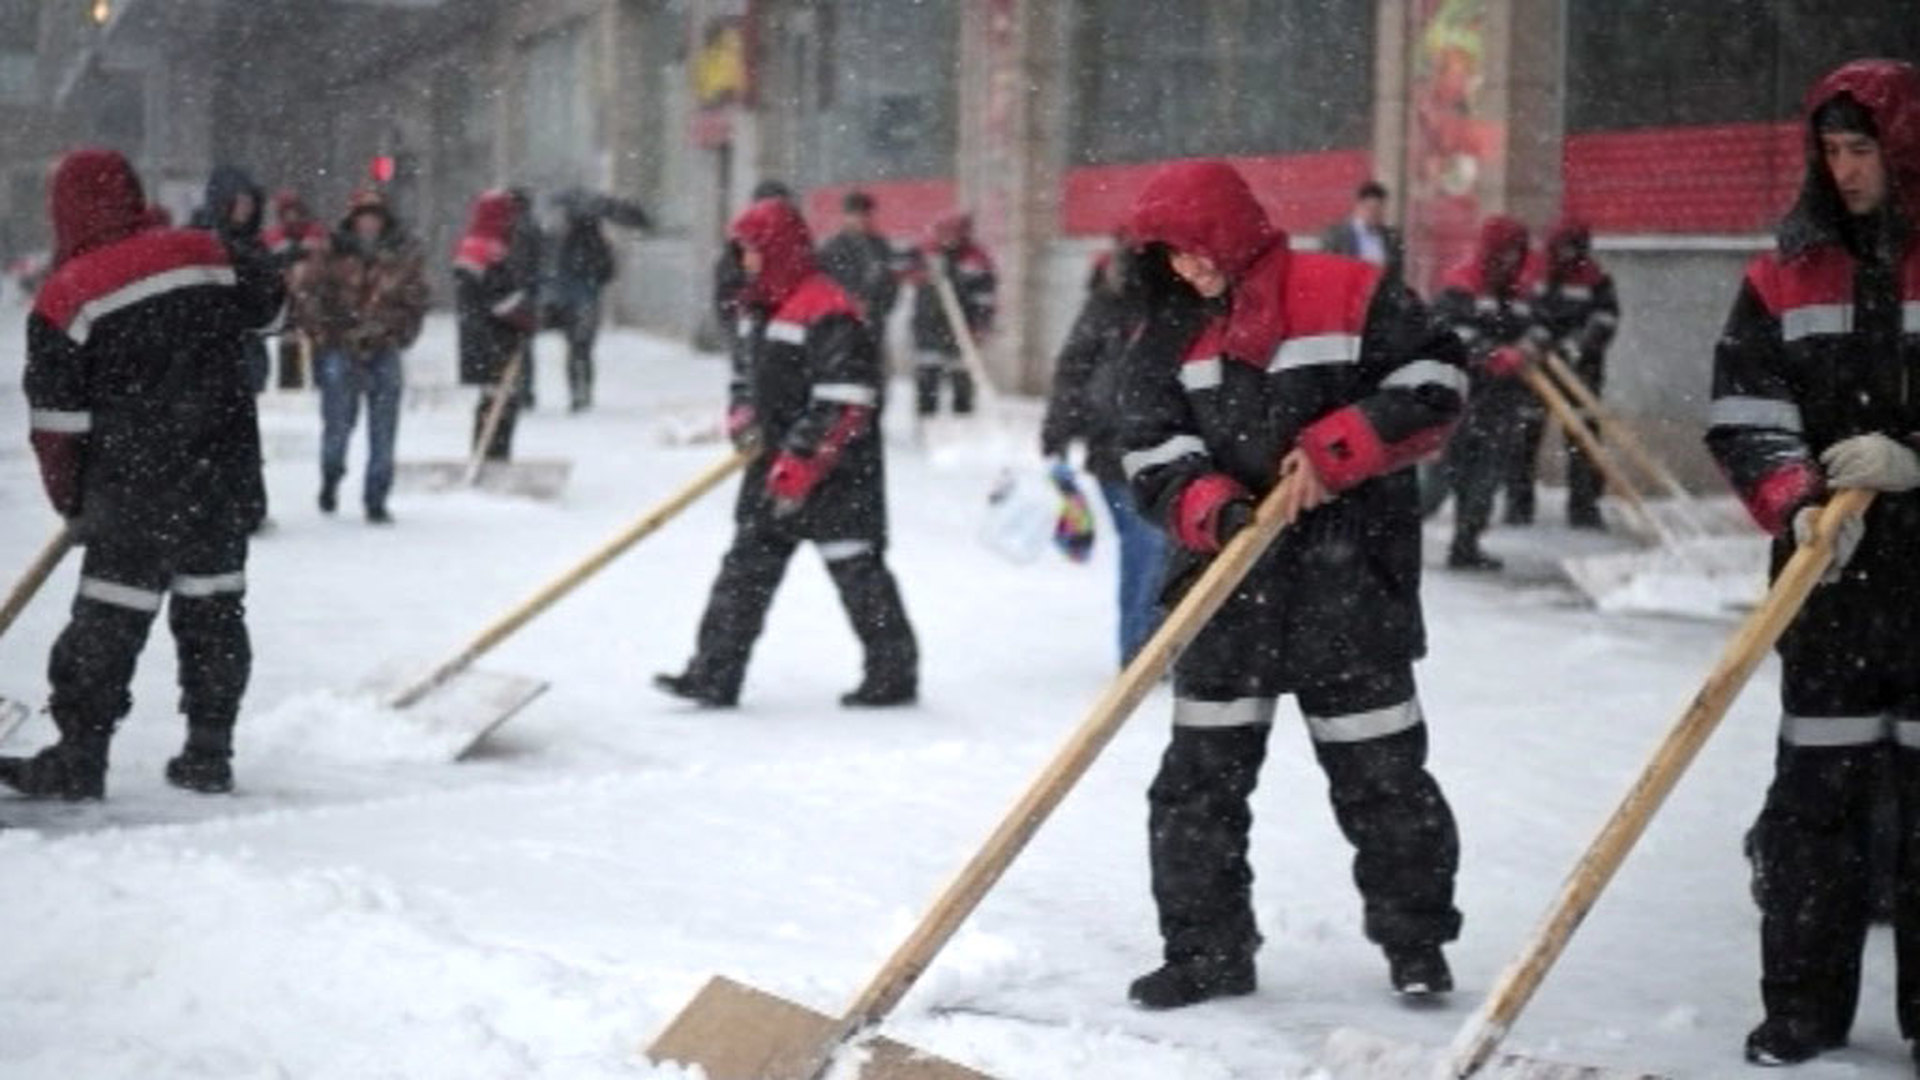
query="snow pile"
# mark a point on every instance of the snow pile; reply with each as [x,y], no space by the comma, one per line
[205,966]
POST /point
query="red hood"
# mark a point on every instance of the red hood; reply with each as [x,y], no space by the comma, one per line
[287,201]
[1579,268]
[1204,207]
[489,226]
[775,229]
[1890,91]
[1498,233]
[94,199]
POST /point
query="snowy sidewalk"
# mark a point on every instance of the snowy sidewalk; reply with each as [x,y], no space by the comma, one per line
[360,910]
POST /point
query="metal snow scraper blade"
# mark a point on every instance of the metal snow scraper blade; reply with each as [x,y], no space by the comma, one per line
[494,698]
[737,1033]
[1474,1045]
[537,479]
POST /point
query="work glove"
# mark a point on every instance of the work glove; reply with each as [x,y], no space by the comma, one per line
[791,479]
[1507,361]
[743,427]
[1873,461]
[1846,539]
[1209,511]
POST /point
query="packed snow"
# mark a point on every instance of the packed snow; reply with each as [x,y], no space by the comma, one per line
[363,908]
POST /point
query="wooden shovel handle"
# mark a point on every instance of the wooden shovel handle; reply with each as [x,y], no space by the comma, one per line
[523,613]
[1622,434]
[1069,764]
[36,575]
[976,365]
[496,410]
[1483,1031]
[1576,429]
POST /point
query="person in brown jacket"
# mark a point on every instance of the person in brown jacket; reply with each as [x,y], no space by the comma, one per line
[362,302]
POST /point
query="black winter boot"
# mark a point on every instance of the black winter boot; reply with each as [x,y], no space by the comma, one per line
[204,771]
[881,693]
[697,690]
[1461,557]
[329,494]
[1175,985]
[61,771]
[1789,1041]
[1419,971]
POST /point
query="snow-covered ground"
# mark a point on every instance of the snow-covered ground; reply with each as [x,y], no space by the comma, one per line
[361,909]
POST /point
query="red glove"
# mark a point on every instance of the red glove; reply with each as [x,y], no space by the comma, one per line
[1507,361]
[792,478]
[1209,511]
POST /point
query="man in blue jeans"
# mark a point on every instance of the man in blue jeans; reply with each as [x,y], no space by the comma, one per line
[1082,408]
[362,302]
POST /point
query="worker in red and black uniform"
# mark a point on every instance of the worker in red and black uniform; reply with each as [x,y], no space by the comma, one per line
[1314,374]
[806,390]
[149,446]
[494,279]
[1577,312]
[1816,387]
[937,360]
[1484,300]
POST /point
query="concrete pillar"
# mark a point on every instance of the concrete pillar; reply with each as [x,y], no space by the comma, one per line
[1012,136]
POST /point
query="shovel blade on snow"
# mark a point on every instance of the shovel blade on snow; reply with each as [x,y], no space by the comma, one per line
[13,713]
[532,478]
[1360,1055]
[735,1032]
[469,706]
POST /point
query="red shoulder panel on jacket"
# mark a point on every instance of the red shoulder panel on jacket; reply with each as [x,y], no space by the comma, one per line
[107,271]
[1328,294]
[816,298]
[1823,275]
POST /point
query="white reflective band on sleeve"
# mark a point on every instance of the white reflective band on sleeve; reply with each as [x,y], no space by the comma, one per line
[1605,318]
[792,333]
[1318,349]
[846,394]
[60,421]
[1244,712]
[1796,323]
[126,596]
[1523,309]
[1910,317]
[1197,375]
[1485,303]
[1173,449]
[1366,726]
[182,277]
[512,301]
[1576,292]
[1907,733]
[1820,731]
[1754,412]
[1427,373]
[1466,333]
[842,550]
[197,586]
[744,327]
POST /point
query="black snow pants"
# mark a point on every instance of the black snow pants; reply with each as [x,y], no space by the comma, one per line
[1850,694]
[1371,741]
[930,370]
[124,576]
[1478,457]
[750,573]
[1584,484]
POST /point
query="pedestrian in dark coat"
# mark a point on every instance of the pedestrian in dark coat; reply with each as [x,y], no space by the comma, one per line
[1084,407]
[234,207]
[952,254]
[583,265]
[149,445]
[806,391]
[1315,375]
[1813,391]
[494,281]
[865,265]
[1577,311]
[1485,301]
[362,306]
